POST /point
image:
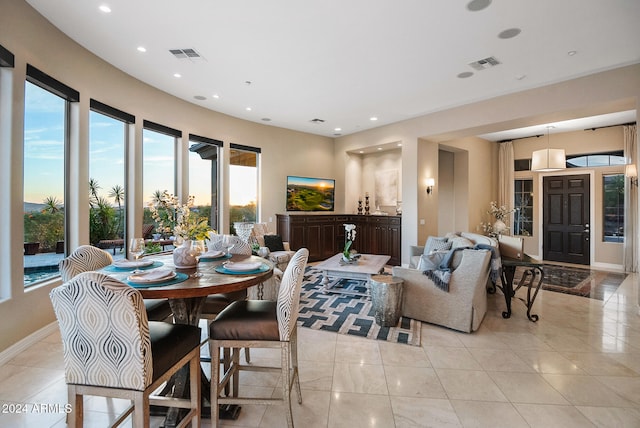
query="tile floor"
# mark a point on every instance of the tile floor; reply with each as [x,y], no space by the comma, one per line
[579,366]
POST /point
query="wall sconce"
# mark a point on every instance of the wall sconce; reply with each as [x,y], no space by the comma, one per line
[631,172]
[430,183]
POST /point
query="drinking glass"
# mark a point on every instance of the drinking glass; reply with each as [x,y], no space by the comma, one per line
[136,247]
[228,242]
[197,249]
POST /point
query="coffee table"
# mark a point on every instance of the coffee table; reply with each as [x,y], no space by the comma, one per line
[334,272]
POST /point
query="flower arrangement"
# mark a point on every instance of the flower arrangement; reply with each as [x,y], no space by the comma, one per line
[349,237]
[498,227]
[178,219]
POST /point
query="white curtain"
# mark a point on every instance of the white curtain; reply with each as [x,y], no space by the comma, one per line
[630,204]
[505,176]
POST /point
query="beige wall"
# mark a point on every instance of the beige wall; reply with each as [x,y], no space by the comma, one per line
[33,40]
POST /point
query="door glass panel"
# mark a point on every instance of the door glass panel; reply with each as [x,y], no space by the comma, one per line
[243,187]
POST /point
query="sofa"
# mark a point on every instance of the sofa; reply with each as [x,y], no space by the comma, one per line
[464,305]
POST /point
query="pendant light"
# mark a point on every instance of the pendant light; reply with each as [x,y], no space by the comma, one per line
[548,159]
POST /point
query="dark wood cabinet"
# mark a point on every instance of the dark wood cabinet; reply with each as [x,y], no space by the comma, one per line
[323,234]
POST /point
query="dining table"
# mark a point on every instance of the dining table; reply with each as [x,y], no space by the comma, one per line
[186,292]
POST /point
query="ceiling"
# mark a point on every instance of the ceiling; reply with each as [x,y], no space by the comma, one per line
[329,67]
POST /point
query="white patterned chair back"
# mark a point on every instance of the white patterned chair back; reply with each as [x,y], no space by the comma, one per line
[239,246]
[289,294]
[105,332]
[82,259]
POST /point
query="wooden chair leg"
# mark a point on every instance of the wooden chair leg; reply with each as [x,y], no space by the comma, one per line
[195,390]
[215,381]
[286,381]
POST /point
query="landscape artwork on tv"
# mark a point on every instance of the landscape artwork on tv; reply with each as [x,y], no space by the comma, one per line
[310,194]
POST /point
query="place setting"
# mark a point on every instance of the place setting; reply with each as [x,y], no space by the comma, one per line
[137,249]
[157,277]
[242,268]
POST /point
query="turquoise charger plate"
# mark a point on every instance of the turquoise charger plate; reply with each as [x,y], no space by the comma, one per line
[180,277]
[213,259]
[222,269]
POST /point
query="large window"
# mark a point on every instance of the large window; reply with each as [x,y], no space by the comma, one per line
[45,141]
[523,202]
[243,184]
[158,164]
[107,142]
[613,205]
[203,176]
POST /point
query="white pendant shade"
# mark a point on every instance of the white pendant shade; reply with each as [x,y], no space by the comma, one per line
[548,160]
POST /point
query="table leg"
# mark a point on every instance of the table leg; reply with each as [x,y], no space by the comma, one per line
[531,299]
[508,272]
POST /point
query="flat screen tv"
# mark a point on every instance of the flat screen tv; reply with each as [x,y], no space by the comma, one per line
[310,194]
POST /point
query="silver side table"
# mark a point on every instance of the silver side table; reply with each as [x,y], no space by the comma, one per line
[386,299]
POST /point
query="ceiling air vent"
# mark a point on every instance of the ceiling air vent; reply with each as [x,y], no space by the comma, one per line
[191,54]
[317,120]
[485,63]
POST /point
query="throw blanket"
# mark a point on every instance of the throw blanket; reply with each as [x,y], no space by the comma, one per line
[442,275]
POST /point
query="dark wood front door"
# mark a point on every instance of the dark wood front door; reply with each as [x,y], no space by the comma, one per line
[566,222]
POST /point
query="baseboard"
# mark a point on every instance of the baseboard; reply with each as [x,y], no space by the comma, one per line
[15,349]
[608,266]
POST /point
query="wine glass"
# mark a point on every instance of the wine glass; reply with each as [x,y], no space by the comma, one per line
[197,249]
[228,243]
[136,247]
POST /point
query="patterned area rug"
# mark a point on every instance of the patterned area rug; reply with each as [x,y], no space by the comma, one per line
[345,314]
[577,281]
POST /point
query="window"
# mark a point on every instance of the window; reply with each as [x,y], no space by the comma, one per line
[243,184]
[107,143]
[613,206]
[523,202]
[596,159]
[46,124]
[158,163]
[203,176]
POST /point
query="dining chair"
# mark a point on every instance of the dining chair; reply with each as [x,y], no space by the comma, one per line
[89,258]
[259,324]
[112,350]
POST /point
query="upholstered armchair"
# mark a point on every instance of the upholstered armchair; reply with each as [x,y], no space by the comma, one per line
[279,252]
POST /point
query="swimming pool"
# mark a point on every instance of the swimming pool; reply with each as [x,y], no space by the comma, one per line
[33,276]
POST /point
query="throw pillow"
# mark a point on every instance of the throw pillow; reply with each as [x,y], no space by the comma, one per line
[273,242]
[431,261]
[461,242]
[435,244]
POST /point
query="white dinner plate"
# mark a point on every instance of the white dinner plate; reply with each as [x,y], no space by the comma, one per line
[152,276]
[242,266]
[132,263]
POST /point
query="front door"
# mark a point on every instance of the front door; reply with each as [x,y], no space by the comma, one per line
[566,222]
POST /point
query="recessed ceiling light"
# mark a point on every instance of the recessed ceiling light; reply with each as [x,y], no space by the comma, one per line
[465,74]
[216,96]
[177,75]
[476,5]
[399,144]
[379,148]
[104,8]
[509,33]
[200,97]
[373,118]
[361,151]
[248,109]
[142,49]
[572,53]
[337,129]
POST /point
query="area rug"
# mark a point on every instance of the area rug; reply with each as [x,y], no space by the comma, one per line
[352,315]
[578,281]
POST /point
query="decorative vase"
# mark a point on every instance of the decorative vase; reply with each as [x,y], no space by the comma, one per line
[499,227]
[184,256]
[346,259]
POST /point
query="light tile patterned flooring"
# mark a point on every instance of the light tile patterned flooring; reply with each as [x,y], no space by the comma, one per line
[579,366]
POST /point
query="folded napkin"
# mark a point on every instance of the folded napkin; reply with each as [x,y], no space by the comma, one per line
[242,266]
[153,275]
[212,254]
[124,263]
